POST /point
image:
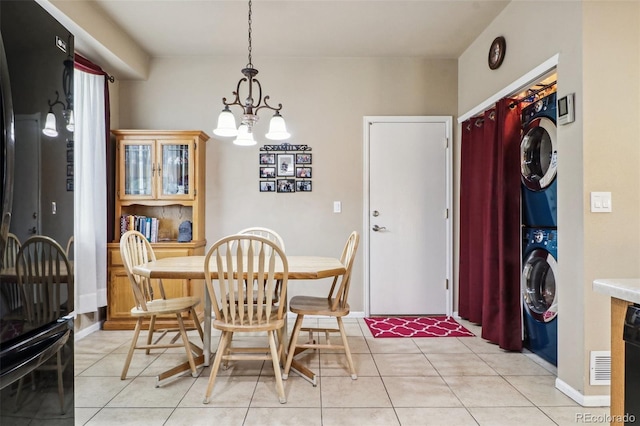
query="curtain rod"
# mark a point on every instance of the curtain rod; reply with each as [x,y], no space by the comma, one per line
[534,92]
[516,86]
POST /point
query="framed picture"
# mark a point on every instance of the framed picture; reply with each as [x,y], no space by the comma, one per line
[70,170]
[267,158]
[70,185]
[303,185]
[286,185]
[69,155]
[303,158]
[303,172]
[285,165]
[267,172]
[268,186]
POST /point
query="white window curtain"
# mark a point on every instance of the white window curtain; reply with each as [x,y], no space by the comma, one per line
[90,188]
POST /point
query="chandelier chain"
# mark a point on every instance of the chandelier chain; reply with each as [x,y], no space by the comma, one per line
[249,65]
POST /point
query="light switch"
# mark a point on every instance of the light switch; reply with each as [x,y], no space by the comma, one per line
[337,207]
[601,202]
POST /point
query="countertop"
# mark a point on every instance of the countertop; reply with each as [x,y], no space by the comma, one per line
[621,288]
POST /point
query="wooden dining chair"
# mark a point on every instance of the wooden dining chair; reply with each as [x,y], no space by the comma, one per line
[12,302]
[45,278]
[69,249]
[270,235]
[334,305]
[151,302]
[11,251]
[274,237]
[238,258]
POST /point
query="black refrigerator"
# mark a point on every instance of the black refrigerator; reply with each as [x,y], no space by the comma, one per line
[36,168]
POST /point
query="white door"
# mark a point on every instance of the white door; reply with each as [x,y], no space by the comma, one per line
[409,234]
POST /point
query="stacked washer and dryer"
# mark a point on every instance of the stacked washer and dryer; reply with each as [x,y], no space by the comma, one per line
[540,234]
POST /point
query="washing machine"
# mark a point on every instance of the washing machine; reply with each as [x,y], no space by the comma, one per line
[538,163]
[539,296]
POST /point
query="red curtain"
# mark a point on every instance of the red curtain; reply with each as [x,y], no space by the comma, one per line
[489,285]
[83,64]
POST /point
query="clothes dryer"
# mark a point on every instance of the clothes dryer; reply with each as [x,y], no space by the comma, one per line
[539,296]
[538,164]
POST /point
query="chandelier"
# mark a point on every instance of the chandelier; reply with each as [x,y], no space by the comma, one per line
[50,127]
[244,133]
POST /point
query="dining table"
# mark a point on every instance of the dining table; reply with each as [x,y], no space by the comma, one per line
[192,268]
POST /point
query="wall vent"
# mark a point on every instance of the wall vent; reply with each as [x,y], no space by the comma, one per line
[600,368]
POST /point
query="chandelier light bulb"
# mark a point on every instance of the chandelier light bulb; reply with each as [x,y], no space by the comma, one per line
[50,125]
[226,124]
[245,136]
[277,128]
[71,124]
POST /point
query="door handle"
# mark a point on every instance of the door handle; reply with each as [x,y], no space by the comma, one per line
[377,228]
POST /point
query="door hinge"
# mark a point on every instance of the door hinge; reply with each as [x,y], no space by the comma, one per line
[446,213]
[446,284]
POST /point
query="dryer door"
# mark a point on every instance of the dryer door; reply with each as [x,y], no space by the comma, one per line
[538,154]
[539,285]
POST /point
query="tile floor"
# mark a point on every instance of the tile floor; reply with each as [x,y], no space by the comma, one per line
[424,381]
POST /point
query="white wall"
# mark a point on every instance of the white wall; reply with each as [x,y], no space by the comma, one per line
[324,101]
[598,152]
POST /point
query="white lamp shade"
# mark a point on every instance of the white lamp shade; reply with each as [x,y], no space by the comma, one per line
[71,123]
[245,136]
[277,129]
[226,124]
[50,126]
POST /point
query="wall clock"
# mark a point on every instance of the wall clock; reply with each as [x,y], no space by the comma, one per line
[496,52]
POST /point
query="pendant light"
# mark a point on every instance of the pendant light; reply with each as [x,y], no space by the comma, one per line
[244,134]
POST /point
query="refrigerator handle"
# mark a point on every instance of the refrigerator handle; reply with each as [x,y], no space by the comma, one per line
[8,149]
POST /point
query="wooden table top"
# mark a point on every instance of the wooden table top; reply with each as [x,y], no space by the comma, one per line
[192,267]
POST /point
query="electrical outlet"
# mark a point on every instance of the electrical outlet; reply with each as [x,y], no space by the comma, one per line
[337,206]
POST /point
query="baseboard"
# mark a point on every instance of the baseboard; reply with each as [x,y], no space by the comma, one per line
[584,400]
[78,335]
[351,315]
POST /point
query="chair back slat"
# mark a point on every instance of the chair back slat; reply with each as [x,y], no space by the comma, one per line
[45,279]
[347,258]
[135,250]
[239,259]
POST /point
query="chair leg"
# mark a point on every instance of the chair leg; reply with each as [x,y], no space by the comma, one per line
[134,343]
[187,345]
[196,321]
[225,364]
[276,367]
[292,345]
[216,365]
[281,349]
[152,326]
[347,351]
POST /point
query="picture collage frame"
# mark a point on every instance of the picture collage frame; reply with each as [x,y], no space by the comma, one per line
[285,168]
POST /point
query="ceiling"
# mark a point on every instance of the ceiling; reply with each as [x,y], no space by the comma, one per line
[418,28]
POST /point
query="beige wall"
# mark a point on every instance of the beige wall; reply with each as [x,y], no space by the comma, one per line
[324,102]
[611,62]
[598,152]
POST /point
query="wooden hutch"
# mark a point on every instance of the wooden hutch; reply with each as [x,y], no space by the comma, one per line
[160,174]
